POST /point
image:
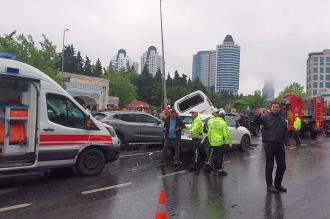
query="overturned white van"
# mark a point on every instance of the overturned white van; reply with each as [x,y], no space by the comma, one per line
[42,126]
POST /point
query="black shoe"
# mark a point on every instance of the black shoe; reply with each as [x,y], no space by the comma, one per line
[222,173]
[281,188]
[272,189]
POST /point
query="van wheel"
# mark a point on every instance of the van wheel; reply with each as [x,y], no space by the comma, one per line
[245,143]
[90,162]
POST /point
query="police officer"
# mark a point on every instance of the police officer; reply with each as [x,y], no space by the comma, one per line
[297,127]
[218,135]
[196,134]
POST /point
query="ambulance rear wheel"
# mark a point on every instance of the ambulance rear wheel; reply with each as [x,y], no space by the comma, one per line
[91,162]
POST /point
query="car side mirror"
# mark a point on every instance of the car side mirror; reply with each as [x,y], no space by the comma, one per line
[88,122]
[236,125]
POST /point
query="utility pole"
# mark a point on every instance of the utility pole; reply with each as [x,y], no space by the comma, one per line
[63,51]
[164,94]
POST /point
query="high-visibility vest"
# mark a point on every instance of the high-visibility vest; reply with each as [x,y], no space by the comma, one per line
[196,127]
[218,132]
[297,124]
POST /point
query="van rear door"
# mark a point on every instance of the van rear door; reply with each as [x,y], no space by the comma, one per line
[18,121]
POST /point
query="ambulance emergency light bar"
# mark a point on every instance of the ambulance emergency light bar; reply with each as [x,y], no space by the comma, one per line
[8,55]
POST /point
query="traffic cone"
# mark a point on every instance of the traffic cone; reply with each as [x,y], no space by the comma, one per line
[161,209]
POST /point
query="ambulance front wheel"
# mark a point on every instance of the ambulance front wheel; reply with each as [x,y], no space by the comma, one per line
[91,162]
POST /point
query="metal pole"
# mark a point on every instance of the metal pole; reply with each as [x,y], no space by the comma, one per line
[163,59]
[208,74]
[63,50]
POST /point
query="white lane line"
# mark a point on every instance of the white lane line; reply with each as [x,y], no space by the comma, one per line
[303,144]
[137,154]
[172,174]
[106,188]
[227,161]
[252,156]
[313,142]
[131,155]
[14,207]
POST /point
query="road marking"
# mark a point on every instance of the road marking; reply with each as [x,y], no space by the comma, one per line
[227,161]
[303,144]
[252,156]
[319,140]
[106,188]
[15,207]
[137,154]
[172,174]
[312,142]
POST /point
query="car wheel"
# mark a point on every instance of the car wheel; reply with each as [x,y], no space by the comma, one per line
[245,143]
[90,162]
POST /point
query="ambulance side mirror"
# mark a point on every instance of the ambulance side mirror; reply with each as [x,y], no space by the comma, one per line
[88,122]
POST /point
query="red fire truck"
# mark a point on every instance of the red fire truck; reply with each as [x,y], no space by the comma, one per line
[310,111]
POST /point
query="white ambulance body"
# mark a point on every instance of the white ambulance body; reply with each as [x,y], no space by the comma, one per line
[42,126]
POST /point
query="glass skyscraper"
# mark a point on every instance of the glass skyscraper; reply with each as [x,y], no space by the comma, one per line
[204,68]
[228,66]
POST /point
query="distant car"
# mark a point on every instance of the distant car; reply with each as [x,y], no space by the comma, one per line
[240,135]
[133,127]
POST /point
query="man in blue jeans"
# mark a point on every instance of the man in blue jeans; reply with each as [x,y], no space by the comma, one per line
[172,129]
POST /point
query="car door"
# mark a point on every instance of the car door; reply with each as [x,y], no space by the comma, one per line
[151,128]
[63,132]
[234,132]
[128,127]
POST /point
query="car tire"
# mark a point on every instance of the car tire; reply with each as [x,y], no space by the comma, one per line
[245,143]
[91,162]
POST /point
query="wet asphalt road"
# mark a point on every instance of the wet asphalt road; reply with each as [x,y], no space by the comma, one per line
[131,187]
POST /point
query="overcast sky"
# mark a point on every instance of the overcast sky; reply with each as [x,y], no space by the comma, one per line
[275,35]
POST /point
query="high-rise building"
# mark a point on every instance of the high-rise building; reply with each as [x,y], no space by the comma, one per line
[268,91]
[135,67]
[228,66]
[318,73]
[121,61]
[151,60]
[204,68]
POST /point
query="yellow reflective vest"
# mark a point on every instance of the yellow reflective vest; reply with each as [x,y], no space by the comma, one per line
[218,132]
[196,128]
[297,124]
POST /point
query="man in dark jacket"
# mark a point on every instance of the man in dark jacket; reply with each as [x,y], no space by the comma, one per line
[172,129]
[274,138]
[243,120]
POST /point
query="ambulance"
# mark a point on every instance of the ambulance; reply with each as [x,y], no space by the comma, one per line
[42,126]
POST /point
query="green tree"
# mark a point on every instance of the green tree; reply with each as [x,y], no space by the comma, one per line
[121,87]
[156,94]
[87,66]
[144,85]
[69,59]
[97,68]
[44,57]
[250,101]
[295,89]
[79,62]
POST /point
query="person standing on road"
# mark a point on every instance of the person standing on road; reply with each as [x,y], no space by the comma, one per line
[172,128]
[196,134]
[218,135]
[297,127]
[274,137]
[243,120]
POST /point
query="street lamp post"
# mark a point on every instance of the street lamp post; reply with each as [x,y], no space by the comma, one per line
[164,95]
[63,50]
